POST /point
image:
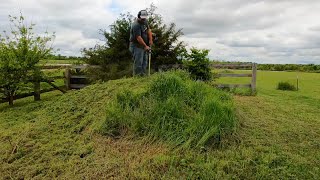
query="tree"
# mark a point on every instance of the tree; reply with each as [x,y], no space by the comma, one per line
[197,64]
[114,56]
[168,49]
[20,52]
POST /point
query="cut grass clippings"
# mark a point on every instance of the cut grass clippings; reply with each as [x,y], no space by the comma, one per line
[277,136]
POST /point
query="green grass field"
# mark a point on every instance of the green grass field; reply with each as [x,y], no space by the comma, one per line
[278,137]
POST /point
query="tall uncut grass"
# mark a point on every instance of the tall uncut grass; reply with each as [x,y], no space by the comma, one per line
[286,86]
[174,109]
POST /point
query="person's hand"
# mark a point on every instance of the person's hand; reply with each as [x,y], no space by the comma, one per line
[146,48]
[150,43]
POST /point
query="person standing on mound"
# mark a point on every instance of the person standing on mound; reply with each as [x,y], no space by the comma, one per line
[140,43]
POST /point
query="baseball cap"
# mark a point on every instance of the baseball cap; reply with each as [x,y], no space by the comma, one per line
[143,14]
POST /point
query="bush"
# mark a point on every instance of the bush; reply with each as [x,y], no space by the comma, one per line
[286,86]
[20,53]
[198,64]
[174,109]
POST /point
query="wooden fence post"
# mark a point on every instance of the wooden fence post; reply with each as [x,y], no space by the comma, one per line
[254,78]
[67,75]
[37,91]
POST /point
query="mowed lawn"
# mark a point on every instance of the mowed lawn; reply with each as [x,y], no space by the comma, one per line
[282,127]
[278,137]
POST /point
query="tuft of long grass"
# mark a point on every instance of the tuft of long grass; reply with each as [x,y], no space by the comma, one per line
[174,109]
[286,86]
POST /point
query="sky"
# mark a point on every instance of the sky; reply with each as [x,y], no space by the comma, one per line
[270,31]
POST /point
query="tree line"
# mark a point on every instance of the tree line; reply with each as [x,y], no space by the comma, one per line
[290,67]
[278,67]
[62,57]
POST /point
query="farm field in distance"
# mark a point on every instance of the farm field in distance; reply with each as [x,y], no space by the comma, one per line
[60,61]
[278,136]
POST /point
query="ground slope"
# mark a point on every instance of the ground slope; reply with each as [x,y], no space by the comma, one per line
[278,137]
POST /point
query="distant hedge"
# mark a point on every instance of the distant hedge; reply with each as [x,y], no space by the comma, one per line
[281,67]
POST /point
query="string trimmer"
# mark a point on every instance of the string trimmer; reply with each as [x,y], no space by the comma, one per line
[149,61]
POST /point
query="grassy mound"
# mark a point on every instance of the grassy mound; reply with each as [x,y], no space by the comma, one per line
[173,108]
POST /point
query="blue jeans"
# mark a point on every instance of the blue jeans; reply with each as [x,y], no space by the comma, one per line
[140,60]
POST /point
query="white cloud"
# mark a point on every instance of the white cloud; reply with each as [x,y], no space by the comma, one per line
[76,22]
[273,31]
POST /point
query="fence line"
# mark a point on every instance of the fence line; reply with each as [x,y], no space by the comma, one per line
[36,85]
[230,66]
[24,95]
[69,78]
[253,75]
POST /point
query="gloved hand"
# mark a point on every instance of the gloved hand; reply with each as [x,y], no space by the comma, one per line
[147,48]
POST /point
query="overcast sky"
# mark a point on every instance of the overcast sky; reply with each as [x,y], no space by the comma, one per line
[271,31]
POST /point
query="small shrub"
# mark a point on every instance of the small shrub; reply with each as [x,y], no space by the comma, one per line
[286,86]
[198,64]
